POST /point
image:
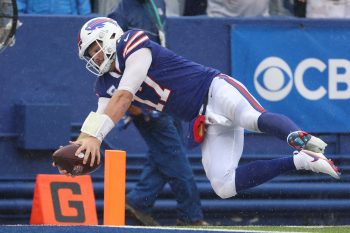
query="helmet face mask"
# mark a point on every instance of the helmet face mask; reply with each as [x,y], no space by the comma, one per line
[105,32]
[104,67]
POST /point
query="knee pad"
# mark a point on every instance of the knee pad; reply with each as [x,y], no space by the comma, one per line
[224,188]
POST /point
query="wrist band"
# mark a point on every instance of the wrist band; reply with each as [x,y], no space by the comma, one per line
[97,125]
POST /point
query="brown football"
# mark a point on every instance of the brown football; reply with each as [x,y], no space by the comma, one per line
[65,159]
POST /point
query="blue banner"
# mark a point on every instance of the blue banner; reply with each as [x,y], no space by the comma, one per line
[302,71]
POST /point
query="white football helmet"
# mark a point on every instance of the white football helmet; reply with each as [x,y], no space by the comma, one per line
[105,32]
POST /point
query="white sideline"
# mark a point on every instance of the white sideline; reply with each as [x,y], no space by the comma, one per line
[205,229]
[168,228]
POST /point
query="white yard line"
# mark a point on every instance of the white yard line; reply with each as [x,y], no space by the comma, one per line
[205,229]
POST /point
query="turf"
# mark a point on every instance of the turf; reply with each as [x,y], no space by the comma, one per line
[138,229]
[318,229]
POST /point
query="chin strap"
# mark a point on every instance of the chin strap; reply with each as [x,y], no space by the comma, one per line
[97,125]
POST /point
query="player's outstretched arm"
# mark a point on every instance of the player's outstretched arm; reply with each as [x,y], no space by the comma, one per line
[102,103]
[96,126]
[118,104]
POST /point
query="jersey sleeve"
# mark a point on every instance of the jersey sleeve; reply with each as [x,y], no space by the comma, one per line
[132,41]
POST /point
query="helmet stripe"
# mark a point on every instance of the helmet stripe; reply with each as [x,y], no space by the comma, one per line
[99,22]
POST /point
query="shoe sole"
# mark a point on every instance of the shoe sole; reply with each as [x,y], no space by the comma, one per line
[333,170]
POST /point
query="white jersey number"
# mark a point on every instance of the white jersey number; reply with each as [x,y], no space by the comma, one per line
[162,93]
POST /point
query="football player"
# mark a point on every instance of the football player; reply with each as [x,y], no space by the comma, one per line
[219,106]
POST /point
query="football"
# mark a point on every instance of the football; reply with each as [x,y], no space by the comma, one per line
[65,159]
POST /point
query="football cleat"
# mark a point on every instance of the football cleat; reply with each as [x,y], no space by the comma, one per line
[316,162]
[302,140]
[144,218]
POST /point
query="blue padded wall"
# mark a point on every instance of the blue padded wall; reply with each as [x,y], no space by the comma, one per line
[42,126]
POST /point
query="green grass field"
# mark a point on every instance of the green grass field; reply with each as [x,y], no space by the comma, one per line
[332,229]
[125,229]
[318,229]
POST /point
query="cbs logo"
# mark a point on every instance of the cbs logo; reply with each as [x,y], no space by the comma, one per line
[274,79]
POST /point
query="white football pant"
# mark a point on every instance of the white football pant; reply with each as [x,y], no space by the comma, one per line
[230,110]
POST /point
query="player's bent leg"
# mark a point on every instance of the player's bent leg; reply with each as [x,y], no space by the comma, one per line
[258,172]
[316,162]
[223,187]
[276,124]
[221,151]
[284,128]
[230,98]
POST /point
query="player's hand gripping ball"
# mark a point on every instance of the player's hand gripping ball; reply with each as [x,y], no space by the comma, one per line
[65,159]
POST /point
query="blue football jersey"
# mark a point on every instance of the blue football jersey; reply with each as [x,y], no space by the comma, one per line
[174,84]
